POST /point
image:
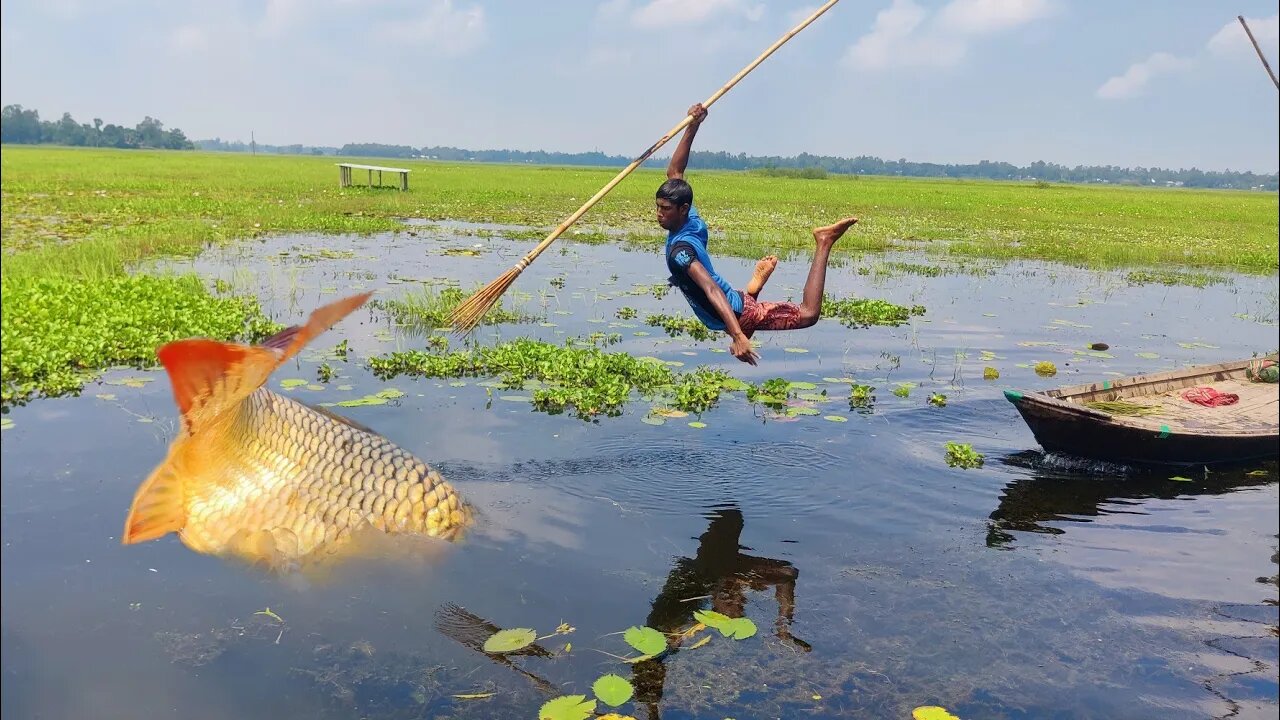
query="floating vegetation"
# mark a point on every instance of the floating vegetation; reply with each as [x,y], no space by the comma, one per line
[1174,277]
[990,373]
[677,325]
[1123,407]
[1045,368]
[772,393]
[567,707]
[739,628]
[938,400]
[588,380]
[425,308]
[59,334]
[863,312]
[612,690]
[625,313]
[963,455]
[932,712]
[860,398]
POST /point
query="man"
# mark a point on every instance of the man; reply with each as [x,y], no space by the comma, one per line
[714,301]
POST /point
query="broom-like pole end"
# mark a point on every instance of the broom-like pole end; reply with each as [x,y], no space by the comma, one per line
[469,312]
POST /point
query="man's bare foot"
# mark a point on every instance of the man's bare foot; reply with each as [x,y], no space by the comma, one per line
[827,236]
[764,268]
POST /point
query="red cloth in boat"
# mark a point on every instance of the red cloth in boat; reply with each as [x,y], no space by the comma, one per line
[1209,397]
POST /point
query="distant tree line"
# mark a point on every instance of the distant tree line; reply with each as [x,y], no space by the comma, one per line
[817,166]
[25,127]
[220,145]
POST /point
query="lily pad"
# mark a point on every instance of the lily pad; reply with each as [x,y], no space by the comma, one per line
[6,424]
[612,689]
[515,398]
[645,640]
[795,385]
[795,411]
[389,393]
[1179,478]
[651,420]
[505,641]
[932,712]
[795,350]
[835,418]
[1148,355]
[813,397]
[289,383]
[567,707]
[698,425]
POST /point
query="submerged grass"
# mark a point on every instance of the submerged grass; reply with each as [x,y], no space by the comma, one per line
[425,308]
[57,333]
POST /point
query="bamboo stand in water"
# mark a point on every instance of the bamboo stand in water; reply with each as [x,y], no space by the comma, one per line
[1258,50]
[468,313]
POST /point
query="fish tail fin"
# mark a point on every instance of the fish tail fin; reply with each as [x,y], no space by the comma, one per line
[210,377]
[158,507]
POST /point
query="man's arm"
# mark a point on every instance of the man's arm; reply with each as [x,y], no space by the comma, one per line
[741,347]
[680,158]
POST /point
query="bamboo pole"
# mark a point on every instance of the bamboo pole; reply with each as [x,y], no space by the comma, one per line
[1258,50]
[468,313]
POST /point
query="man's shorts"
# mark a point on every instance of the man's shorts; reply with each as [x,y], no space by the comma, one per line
[758,315]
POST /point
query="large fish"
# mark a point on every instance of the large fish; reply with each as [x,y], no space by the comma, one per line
[261,477]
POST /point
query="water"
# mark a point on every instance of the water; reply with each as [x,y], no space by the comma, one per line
[880,579]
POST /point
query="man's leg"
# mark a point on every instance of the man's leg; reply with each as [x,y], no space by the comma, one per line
[764,269]
[824,238]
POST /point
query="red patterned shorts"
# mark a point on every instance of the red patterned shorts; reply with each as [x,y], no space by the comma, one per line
[758,315]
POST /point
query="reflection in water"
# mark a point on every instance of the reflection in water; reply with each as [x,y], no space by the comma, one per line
[471,630]
[721,573]
[1059,491]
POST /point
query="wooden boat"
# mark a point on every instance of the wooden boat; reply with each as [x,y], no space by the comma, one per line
[1170,430]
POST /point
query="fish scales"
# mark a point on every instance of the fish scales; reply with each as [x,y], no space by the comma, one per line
[266,478]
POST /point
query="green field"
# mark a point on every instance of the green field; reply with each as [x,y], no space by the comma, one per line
[74,220]
[90,212]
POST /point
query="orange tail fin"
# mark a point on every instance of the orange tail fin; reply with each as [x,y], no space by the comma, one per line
[209,378]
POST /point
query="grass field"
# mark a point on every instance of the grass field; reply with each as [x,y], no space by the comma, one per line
[90,212]
[75,219]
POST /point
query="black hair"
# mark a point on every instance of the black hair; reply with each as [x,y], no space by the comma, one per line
[677,191]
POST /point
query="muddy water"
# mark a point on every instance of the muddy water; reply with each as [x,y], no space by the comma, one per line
[879,578]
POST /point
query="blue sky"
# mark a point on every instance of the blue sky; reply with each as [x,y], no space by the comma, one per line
[1140,82]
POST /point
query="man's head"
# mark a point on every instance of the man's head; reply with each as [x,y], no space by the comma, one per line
[673,200]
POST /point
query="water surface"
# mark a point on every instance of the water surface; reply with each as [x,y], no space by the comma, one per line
[880,579]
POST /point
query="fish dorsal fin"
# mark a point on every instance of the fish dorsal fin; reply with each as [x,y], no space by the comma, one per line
[292,339]
[209,376]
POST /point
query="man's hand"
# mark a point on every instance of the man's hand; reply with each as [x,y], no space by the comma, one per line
[741,349]
[698,112]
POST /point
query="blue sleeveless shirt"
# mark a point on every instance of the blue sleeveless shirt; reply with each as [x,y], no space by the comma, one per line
[685,245]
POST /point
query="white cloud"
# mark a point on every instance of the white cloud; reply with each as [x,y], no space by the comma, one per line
[672,13]
[1232,38]
[1138,75]
[442,28]
[189,39]
[982,17]
[279,16]
[1228,41]
[904,34]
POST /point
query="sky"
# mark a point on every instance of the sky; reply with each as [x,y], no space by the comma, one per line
[1163,83]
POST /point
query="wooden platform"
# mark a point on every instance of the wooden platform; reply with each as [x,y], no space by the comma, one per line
[344,174]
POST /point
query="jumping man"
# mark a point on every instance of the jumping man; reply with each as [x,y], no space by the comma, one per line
[717,303]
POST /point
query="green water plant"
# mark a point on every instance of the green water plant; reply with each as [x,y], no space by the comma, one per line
[963,455]
[427,308]
[677,325]
[58,333]
[865,312]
